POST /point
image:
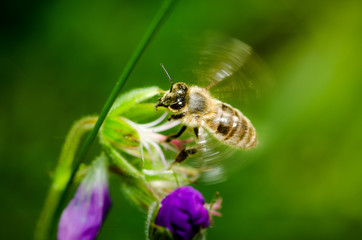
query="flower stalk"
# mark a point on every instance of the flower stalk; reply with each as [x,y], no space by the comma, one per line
[62,175]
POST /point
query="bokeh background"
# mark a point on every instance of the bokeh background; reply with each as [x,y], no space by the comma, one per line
[60,59]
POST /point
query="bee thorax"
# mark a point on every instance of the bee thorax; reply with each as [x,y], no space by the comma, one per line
[197,103]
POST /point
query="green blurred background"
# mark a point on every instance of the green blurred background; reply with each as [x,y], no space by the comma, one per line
[60,60]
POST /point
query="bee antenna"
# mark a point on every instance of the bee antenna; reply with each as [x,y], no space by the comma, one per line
[168,75]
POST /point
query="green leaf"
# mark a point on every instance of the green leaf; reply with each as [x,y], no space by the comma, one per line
[130,99]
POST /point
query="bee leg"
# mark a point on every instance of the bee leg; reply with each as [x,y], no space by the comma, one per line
[173,136]
[196,131]
[176,116]
[184,153]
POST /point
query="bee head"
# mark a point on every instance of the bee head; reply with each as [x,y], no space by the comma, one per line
[175,99]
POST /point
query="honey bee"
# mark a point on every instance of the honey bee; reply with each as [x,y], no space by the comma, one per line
[196,107]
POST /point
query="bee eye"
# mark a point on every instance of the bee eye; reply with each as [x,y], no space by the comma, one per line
[180,103]
[175,106]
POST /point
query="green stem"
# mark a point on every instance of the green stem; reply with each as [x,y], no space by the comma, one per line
[62,174]
[50,214]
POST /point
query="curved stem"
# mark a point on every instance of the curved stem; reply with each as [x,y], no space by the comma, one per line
[61,175]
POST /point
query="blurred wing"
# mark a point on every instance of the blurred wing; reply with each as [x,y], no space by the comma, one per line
[230,69]
[211,158]
[215,159]
[220,58]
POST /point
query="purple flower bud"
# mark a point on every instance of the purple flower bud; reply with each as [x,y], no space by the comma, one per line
[83,216]
[183,213]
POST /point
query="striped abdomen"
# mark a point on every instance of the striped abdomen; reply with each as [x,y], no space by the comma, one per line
[232,127]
